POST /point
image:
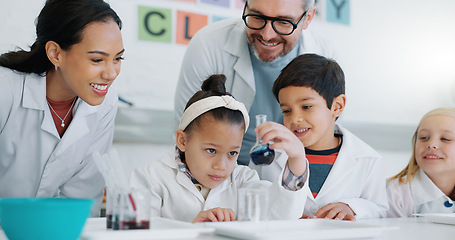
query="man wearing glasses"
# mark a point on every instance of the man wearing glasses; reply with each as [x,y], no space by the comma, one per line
[251,52]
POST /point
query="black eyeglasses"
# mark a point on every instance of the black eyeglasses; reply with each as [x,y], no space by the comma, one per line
[281,26]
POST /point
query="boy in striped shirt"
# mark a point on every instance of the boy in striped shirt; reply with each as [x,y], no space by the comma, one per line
[346,175]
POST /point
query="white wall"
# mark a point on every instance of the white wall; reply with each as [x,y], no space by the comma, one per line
[17,23]
[398,58]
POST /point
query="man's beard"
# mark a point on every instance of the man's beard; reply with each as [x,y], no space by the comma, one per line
[276,59]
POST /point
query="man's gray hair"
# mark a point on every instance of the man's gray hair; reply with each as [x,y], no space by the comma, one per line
[308,4]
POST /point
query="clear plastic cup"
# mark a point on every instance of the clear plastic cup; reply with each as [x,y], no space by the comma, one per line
[252,204]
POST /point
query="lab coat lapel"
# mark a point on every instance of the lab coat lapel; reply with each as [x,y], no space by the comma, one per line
[311,42]
[340,170]
[35,98]
[423,189]
[78,126]
[183,179]
[48,124]
[307,43]
[243,90]
[344,166]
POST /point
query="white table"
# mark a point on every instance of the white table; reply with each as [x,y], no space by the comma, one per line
[398,229]
[413,229]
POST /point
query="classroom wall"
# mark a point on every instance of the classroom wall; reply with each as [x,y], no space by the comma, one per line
[397,55]
[398,58]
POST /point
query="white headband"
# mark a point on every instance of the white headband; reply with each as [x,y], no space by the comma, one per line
[200,107]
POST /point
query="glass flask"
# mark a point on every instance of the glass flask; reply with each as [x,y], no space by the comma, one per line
[260,153]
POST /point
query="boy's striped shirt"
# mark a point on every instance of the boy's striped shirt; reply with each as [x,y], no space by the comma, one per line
[321,162]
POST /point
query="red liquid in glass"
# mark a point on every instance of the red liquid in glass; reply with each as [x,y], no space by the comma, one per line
[132,224]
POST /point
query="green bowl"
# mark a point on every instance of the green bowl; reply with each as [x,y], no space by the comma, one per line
[43,218]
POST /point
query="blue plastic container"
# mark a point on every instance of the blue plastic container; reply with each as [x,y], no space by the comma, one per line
[44,218]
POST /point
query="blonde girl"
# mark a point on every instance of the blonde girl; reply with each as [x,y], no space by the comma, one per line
[427,183]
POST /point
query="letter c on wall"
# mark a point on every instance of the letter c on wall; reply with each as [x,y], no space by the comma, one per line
[146,23]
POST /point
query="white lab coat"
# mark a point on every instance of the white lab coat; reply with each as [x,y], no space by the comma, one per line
[174,196]
[356,179]
[419,196]
[222,48]
[34,160]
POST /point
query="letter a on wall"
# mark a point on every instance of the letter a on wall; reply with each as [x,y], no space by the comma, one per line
[155,24]
[338,11]
[187,25]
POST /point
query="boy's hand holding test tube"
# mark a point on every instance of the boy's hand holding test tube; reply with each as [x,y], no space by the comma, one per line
[283,138]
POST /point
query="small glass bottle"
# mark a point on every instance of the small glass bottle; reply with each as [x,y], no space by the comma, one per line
[260,153]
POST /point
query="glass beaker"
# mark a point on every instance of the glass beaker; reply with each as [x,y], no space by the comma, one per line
[252,204]
[134,209]
[260,153]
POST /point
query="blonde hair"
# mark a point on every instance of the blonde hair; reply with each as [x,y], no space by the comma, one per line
[408,173]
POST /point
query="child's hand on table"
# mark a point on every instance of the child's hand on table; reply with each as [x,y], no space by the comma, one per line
[338,211]
[215,215]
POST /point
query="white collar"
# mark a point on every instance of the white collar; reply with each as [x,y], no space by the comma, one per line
[423,189]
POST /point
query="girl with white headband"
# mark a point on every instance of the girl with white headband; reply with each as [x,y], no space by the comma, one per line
[427,183]
[199,182]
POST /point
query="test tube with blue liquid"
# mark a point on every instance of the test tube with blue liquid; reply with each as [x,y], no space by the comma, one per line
[260,153]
